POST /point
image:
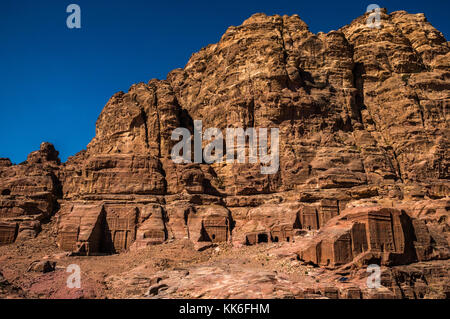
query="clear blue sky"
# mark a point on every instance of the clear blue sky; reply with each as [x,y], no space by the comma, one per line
[55,81]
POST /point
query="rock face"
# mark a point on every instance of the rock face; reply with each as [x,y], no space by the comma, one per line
[375,235]
[29,193]
[363,150]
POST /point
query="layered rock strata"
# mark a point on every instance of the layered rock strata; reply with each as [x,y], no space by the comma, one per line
[363,150]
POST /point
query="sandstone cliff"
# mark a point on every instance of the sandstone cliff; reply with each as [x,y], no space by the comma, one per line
[364,150]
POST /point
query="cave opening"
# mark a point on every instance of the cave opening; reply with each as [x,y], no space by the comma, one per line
[263,238]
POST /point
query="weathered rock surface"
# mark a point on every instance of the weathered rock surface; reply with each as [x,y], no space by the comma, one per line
[374,235]
[42,266]
[364,151]
[7,290]
[29,193]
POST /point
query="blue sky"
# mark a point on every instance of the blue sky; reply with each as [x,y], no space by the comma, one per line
[55,81]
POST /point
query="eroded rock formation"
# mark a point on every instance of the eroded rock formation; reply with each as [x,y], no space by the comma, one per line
[364,150]
[29,193]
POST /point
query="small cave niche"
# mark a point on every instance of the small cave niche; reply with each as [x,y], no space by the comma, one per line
[297,224]
[6,192]
[204,236]
[263,238]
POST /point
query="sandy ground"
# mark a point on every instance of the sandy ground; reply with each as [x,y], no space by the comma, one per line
[175,269]
[96,271]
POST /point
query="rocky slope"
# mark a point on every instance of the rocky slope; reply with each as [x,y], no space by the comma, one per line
[364,154]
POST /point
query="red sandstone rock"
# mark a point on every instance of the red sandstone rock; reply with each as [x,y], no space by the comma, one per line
[364,152]
[28,194]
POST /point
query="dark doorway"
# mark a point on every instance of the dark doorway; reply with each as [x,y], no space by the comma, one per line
[262,238]
[297,223]
[204,236]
